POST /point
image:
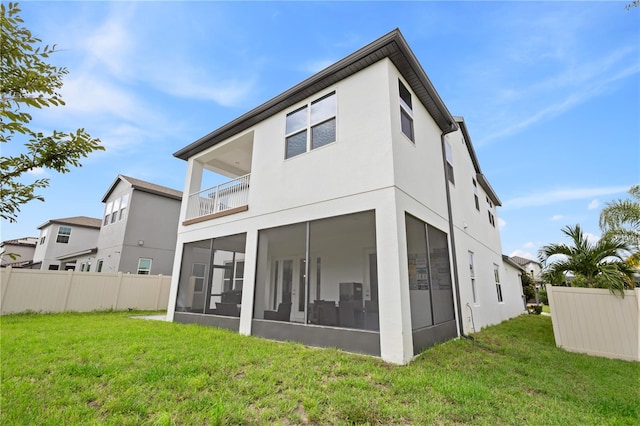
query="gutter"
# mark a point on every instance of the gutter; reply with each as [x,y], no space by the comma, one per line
[454,257]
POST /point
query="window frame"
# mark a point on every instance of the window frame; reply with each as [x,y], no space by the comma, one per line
[406,110]
[124,203]
[472,271]
[107,213]
[448,154]
[496,277]
[144,271]
[310,125]
[63,235]
[43,235]
[475,194]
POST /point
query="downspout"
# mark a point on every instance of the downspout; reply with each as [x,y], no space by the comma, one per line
[454,257]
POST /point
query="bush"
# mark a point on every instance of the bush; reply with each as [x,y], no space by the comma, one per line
[542,297]
[534,309]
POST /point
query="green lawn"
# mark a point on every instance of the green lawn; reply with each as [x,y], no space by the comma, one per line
[105,368]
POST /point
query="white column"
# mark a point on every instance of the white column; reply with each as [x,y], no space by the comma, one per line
[249,281]
[396,341]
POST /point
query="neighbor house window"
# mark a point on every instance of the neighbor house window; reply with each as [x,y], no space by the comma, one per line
[116,209]
[107,213]
[54,267]
[99,266]
[449,157]
[472,272]
[406,111]
[123,205]
[43,237]
[312,126]
[496,274]
[144,266]
[475,194]
[63,234]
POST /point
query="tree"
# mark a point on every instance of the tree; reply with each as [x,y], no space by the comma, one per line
[28,81]
[598,263]
[621,219]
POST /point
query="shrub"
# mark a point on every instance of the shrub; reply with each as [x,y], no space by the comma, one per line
[534,309]
[542,297]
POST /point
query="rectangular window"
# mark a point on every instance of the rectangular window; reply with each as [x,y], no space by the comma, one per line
[312,126]
[144,266]
[82,266]
[472,271]
[107,213]
[116,209]
[449,157]
[63,234]
[123,205]
[406,111]
[43,236]
[88,266]
[99,266]
[475,194]
[496,274]
[54,267]
[492,219]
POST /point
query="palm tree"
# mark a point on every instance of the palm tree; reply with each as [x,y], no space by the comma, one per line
[595,262]
[621,218]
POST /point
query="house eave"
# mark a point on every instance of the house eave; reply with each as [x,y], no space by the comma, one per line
[391,45]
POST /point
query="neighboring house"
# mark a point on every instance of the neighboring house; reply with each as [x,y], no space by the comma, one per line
[531,267]
[18,253]
[514,274]
[59,237]
[356,217]
[138,230]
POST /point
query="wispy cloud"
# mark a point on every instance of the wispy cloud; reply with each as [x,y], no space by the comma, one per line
[556,217]
[594,204]
[561,195]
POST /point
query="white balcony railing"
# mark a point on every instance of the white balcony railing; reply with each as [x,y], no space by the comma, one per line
[220,198]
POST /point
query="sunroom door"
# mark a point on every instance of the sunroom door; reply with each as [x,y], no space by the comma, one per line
[289,286]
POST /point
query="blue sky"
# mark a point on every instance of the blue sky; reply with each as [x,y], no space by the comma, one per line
[550,91]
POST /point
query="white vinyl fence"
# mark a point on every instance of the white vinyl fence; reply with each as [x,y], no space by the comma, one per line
[594,321]
[60,291]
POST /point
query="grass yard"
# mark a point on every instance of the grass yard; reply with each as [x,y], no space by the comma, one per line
[105,368]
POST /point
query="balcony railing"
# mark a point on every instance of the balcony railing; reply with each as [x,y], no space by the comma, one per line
[226,196]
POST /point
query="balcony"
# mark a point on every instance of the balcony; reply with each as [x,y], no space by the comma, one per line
[221,200]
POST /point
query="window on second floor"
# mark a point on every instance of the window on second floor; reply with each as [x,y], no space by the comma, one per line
[107,213]
[123,205]
[406,111]
[475,194]
[312,126]
[64,232]
[449,157]
[116,210]
[496,274]
[43,236]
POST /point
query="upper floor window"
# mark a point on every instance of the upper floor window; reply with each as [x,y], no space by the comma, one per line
[63,234]
[144,266]
[123,205]
[449,157]
[406,111]
[107,213]
[116,210]
[43,236]
[475,194]
[312,126]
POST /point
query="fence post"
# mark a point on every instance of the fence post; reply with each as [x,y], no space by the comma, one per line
[69,281]
[159,291]
[119,285]
[7,275]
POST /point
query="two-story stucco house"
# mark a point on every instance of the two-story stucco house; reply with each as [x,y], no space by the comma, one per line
[138,231]
[59,237]
[356,216]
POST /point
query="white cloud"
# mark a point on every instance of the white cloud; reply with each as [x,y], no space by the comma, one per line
[37,171]
[501,223]
[561,195]
[529,245]
[556,217]
[313,67]
[593,204]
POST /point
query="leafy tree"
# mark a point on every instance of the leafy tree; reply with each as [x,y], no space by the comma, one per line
[621,219]
[598,263]
[528,286]
[28,81]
